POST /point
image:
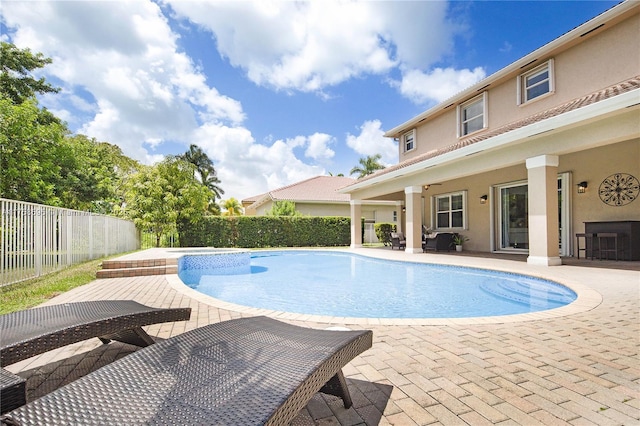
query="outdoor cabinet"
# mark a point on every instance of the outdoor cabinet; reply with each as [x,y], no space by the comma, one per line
[629,228]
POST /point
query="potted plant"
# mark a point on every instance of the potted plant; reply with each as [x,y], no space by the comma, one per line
[458,240]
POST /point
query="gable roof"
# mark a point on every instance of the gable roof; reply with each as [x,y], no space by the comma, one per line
[319,189]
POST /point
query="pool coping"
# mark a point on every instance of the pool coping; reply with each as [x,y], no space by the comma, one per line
[587,298]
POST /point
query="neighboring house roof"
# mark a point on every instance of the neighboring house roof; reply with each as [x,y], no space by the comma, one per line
[592,98]
[319,189]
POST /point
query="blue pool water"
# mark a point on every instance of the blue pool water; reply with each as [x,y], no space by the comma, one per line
[348,285]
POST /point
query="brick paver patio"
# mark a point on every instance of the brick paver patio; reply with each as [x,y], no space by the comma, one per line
[577,365]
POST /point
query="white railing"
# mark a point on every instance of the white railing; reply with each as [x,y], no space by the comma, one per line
[36,239]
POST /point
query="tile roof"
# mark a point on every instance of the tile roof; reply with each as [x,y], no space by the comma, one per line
[606,93]
[319,188]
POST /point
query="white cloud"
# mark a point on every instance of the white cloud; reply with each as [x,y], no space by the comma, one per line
[437,85]
[290,45]
[126,80]
[371,141]
[247,168]
[318,148]
[125,56]
[308,46]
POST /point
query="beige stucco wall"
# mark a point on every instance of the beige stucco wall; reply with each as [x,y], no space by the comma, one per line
[603,59]
[592,165]
[478,215]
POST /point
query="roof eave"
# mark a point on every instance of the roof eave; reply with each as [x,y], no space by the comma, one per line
[589,112]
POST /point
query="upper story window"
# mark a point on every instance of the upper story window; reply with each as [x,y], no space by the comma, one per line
[535,83]
[450,210]
[472,115]
[409,141]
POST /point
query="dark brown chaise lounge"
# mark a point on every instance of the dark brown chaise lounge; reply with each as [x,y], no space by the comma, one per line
[31,332]
[248,371]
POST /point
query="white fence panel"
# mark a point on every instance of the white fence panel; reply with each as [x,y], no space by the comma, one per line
[36,239]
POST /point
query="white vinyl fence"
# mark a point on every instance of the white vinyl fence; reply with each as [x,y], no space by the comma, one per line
[36,239]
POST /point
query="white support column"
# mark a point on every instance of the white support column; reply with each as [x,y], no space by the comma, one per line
[542,174]
[356,229]
[413,233]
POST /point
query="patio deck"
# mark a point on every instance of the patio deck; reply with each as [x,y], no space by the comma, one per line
[575,365]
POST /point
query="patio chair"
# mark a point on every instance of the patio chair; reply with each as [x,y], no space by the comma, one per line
[31,332]
[398,240]
[248,371]
[438,241]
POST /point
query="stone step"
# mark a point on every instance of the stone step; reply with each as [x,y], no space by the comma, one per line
[146,263]
[137,271]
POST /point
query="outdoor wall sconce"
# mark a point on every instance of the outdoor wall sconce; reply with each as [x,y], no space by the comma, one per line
[483,199]
[582,187]
[404,209]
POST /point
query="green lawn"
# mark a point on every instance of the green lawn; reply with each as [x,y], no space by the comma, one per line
[30,293]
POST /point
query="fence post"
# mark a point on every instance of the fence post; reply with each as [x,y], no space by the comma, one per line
[37,242]
[106,238]
[69,224]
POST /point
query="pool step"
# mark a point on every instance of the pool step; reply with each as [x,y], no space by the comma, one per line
[526,293]
[137,268]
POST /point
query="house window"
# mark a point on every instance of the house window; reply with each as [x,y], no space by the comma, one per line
[395,216]
[408,139]
[450,210]
[536,83]
[472,115]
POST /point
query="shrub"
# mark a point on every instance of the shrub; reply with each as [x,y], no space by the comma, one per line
[266,231]
[383,232]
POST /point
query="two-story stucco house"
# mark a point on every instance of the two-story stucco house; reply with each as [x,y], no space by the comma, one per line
[520,161]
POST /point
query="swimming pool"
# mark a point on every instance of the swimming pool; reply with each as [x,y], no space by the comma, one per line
[349,285]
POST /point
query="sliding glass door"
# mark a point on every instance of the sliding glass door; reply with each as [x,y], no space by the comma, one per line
[514,217]
[513,214]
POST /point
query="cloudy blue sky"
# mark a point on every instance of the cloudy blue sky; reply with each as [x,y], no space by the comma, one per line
[274,91]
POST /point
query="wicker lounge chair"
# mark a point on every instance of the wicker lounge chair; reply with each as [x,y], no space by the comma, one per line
[437,241]
[31,332]
[248,371]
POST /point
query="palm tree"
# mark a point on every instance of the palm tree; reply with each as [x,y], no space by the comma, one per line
[232,207]
[204,167]
[369,165]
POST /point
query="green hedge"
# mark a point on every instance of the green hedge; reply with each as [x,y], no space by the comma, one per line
[383,232]
[266,231]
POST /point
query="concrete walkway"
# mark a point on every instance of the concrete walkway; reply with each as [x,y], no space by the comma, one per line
[577,365]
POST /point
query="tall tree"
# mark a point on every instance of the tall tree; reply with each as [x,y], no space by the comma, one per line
[232,207]
[16,82]
[158,196]
[367,166]
[283,208]
[30,153]
[30,137]
[91,174]
[205,169]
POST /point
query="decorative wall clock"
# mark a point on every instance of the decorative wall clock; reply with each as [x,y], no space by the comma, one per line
[619,189]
